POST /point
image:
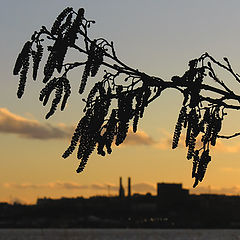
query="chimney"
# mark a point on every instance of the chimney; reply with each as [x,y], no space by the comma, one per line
[121,189]
[129,187]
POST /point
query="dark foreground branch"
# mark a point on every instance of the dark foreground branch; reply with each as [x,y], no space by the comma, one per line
[123,93]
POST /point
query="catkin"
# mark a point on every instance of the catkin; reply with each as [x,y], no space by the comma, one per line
[178,127]
[37,56]
[56,25]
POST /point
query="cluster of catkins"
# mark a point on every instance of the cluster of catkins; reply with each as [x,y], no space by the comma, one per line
[94,61]
[63,32]
[209,125]
[96,130]
[23,61]
[88,130]
[60,85]
[65,35]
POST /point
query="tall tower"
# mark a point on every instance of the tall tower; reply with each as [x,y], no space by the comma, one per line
[129,187]
[121,189]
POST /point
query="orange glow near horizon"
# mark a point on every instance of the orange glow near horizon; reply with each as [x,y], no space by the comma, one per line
[40,165]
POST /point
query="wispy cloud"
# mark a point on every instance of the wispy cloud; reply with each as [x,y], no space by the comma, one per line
[229,147]
[51,185]
[11,123]
[144,187]
[59,185]
[234,190]
[139,138]
[141,187]
[14,124]
[224,146]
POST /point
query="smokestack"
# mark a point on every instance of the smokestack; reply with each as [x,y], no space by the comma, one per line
[129,187]
[121,189]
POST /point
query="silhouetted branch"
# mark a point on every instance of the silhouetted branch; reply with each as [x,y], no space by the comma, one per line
[228,137]
[122,95]
[228,67]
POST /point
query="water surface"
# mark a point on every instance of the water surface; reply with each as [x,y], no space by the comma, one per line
[118,234]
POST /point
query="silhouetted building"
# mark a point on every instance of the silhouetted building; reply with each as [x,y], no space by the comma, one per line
[129,187]
[121,189]
[169,190]
[173,207]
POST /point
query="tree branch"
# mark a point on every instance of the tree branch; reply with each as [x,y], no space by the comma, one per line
[122,95]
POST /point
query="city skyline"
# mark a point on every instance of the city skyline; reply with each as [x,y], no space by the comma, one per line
[171,207]
[121,189]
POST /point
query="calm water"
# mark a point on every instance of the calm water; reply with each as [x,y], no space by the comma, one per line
[117,234]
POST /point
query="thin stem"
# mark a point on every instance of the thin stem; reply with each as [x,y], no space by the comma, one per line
[230,136]
[228,68]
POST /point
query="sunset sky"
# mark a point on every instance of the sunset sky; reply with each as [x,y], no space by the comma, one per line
[158,37]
